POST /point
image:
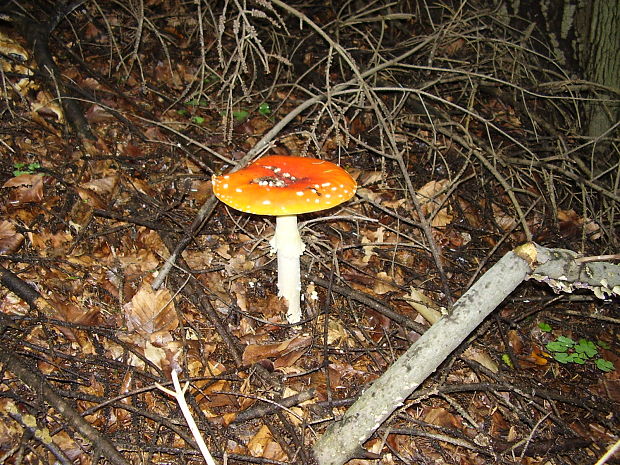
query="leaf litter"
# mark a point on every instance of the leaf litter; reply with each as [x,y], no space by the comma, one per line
[90,232]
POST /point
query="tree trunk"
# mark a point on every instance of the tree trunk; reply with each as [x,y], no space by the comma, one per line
[584,36]
[603,63]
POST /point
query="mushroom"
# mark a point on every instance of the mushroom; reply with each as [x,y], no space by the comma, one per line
[284,187]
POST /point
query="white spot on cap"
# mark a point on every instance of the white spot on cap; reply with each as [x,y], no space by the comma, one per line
[299,193]
[326,184]
[266,202]
[238,189]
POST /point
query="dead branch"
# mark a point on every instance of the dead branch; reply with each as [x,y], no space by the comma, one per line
[36,382]
[344,438]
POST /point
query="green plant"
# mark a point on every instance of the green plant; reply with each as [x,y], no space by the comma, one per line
[264,109]
[25,168]
[566,350]
[544,327]
[241,115]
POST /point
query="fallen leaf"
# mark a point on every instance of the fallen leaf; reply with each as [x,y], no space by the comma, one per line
[424,306]
[482,357]
[10,239]
[26,188]
[151,311]
[263,445]
[256,352]
[431,196]
[383,284]
[439,416]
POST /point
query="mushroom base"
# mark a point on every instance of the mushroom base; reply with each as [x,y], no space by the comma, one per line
[289,247]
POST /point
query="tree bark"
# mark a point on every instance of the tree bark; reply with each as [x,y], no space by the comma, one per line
[603,64]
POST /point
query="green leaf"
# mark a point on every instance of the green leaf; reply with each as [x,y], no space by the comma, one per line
[604,365]
[198,119]
[566,340]
[196,102]
[23,168]
[544,327]
[182,112]
[587,348]
[562,357]
[507,361]
[264,109]
[240,115]
[558,346]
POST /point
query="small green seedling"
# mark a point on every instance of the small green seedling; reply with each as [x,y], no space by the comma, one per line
[544,327]
[198,119]
[196,103]
[240,115]
[25,168]
[565,350]
[211,79]
[507,361]
[264,109]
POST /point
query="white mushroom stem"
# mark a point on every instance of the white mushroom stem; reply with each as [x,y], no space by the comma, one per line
[288,246]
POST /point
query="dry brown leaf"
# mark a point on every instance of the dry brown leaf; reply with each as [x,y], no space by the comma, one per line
[336,332]
[151,311]
[97,114]
[431,196]
[142,261]
[200,191]
[570,224]
[453,47]
[504,221]
[383,285]
[256,352]
[47,106]
[263,445]
[482,357]
[102,186]
[288,359]
[439,416]
[424,306]
[154,354]
[515,341]
[10,239]
[25,188]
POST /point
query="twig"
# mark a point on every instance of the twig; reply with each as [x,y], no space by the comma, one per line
[179,395]
[612,450]
[39,384]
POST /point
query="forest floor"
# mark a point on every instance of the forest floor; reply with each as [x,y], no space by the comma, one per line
[464,141]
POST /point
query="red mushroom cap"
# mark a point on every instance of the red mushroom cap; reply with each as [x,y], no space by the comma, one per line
[281,185]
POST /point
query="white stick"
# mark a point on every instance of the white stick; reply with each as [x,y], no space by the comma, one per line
[344,438]
[179,395]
